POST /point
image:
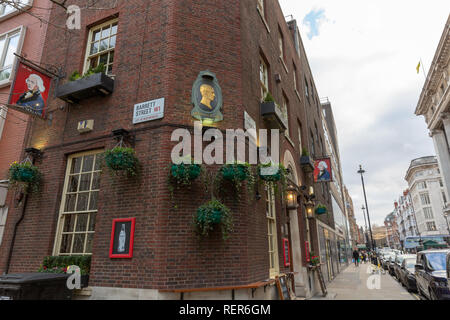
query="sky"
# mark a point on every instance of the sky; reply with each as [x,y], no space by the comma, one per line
[363,56]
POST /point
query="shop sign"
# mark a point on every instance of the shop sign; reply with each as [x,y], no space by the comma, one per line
[148,111]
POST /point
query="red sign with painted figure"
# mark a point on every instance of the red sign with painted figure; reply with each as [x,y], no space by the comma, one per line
[322,170]
[30,90]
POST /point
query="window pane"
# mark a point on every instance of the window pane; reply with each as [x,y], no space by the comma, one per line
[82,201]
[82,220]
[103,45]
[96,181]
[114,28]
[94,47]
[78,243]
[73,184]
[105,32]
[93,203]
[112,42]
[90,240]
[2,43]
[76,165]
[69,222]
[70,203]
[12,48]
[66,242]
[88,163]
[96,35]
[85,182]
[111,57]
[98,162]
[110,69]
[104,59]
[92,222]
[5,74]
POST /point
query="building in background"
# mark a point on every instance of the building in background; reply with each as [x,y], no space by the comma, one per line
[380,236]
[428,196]
[405,217]
[21,33]
[392,232]
[353,226]
[434,105]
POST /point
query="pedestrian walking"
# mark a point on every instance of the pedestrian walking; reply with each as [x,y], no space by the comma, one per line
[356,257]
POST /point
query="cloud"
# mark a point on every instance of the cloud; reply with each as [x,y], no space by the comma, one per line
[313,20]
[365,62]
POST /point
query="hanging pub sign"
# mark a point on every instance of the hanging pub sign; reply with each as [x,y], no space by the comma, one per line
[122,238]
[207,98]
[29,92]
[322,170]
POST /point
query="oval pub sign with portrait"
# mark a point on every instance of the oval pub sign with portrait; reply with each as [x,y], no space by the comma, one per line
[207,98]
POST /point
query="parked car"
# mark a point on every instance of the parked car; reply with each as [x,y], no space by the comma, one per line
[430,271]
[448,269]
[407,273]
[390,264]
[398,263]
[385,260]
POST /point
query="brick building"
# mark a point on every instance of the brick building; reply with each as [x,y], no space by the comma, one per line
[21,33]
[156,49]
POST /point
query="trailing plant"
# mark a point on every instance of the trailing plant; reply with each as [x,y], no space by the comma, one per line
[269,98]
[24,176]
[236,173]
[305,152]
[182,175]
[122,159]
[59,264]
[277,175]
[211,214]
[321,209]
[315,260]
[98,69]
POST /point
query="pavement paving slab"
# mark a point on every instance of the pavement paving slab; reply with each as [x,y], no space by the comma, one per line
[359,283]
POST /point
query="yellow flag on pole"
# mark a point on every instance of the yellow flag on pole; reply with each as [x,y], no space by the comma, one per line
[418,68]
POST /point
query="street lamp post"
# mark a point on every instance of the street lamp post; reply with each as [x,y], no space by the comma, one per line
[366,238]
[361,172]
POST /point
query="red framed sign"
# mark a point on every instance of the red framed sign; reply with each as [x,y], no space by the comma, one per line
[308,258]
[286,253]
[30,90]
[322,170]
[122,238]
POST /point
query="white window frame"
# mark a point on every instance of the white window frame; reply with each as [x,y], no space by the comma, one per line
[428,213]
[260,5]
[425,199]
[28,4]
[271,215]
[62,213]
[3,217]
[88,57]
[21,30]
[285,112]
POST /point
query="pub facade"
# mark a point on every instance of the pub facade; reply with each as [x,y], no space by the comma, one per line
[130,77]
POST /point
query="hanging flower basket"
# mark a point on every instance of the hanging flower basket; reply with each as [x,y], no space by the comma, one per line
[235,171]
[185,173]
[24,174]
[211,214]
[122,159]
[315,260]
[321,209]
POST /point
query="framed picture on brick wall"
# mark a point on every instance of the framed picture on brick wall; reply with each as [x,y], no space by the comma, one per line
[286,253]
[122,238]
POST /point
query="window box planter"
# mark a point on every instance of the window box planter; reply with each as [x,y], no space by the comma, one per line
[271,113]
[98,84]
[273,176]
[307,164]
[59,264]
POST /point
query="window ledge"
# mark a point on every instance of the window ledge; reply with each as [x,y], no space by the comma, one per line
[289,140]
[16,12]
[263,20]
[298,95]
[284,65]
[5,83]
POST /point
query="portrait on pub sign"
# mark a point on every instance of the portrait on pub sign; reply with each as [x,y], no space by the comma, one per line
[30,90]
[322,170]
[207,98]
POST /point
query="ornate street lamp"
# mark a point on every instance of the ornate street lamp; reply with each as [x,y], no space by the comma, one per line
[291,198]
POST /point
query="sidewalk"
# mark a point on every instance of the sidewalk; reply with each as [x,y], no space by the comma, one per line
[352,284]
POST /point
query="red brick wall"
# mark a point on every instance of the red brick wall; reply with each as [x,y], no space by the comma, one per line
[161,48]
